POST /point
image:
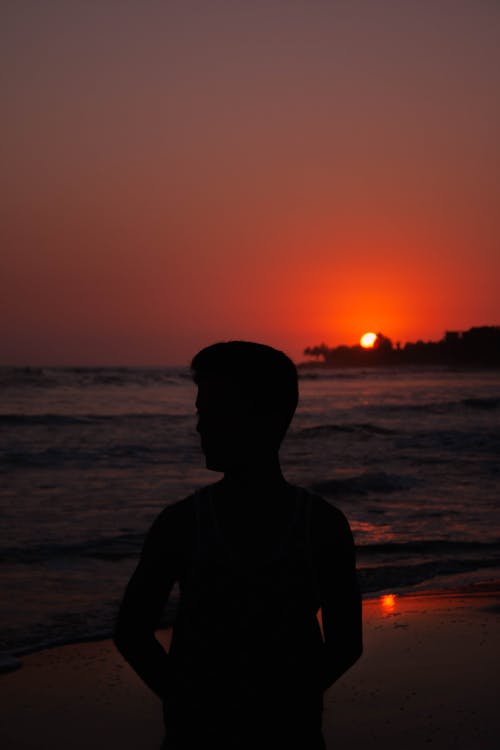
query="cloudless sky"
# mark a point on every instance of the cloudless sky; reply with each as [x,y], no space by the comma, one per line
[180,172]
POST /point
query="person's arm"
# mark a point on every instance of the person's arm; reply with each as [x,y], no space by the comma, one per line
[339,592]
[145,597]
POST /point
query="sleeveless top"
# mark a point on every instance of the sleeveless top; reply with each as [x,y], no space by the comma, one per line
[246,631]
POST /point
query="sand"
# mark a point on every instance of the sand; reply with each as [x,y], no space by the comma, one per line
[428,678]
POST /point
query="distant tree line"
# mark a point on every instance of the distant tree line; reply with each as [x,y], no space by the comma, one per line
[478,346]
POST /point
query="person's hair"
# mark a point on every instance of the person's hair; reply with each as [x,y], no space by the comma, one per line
[266,376]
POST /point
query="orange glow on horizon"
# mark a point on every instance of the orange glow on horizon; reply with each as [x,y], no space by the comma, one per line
[368,340]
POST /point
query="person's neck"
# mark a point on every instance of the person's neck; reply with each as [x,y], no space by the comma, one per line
[266,473]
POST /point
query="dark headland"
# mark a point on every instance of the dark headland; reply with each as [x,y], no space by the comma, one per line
[476,347]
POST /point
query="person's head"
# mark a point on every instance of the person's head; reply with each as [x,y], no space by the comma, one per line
[247,395]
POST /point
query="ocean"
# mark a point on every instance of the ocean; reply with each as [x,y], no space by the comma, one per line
[89,457]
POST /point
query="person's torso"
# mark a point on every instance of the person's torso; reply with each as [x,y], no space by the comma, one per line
[247,613]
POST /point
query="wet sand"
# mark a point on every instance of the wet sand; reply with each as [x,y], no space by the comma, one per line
[428,678]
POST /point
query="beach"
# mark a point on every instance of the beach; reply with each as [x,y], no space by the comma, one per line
[428,677]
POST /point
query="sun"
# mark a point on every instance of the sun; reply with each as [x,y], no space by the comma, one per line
[368,340]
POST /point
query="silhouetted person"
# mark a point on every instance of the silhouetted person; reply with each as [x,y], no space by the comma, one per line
[255,559]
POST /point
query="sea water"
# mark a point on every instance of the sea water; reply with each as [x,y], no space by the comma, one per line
[89,457]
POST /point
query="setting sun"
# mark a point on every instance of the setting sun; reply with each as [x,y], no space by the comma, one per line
[368,340]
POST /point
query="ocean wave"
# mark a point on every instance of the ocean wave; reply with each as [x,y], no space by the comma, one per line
[431,546]
[125,456]
[485,441]
[33,420]
[364,483]
[366,428]
[107,548]
[428,445]
[81,377]
[374,579]
[482,403]
[436,407]
[57,458]
[9,662]
[50,458]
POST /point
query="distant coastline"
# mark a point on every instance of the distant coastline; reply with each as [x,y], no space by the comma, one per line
[476,347]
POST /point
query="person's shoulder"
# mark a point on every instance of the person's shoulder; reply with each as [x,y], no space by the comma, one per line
[175,517]
[324,511]
[331,535]
[328,523]
[181,512]
[171,528]
[176,511]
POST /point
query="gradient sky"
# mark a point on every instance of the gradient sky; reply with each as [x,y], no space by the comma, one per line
[177,173]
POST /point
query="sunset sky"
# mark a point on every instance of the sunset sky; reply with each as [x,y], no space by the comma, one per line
[288,171]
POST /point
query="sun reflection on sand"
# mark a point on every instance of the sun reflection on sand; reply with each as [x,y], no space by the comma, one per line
[388,603]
